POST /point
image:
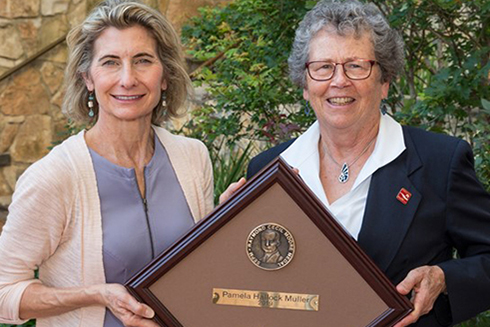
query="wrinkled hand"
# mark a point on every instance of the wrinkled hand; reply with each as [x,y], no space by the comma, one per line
[426,283]
[231,189]
[126,308]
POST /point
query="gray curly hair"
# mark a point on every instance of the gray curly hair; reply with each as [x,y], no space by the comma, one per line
[347,18]
[122,14]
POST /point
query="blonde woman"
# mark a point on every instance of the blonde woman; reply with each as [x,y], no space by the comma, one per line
[106,201]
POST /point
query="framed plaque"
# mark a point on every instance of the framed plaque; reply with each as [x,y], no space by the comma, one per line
[272,255]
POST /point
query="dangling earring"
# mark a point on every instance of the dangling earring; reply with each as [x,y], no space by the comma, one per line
[90,104]
[307,108]
[164,99]
[384,107]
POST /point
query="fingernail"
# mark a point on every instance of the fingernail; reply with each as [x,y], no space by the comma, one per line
[150,313]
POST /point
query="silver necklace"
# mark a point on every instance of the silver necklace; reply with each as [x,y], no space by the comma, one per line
[344,170]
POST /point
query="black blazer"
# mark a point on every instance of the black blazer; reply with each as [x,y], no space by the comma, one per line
[449,209]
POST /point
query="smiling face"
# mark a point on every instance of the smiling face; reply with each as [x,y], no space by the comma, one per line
[341,103]
[126,74]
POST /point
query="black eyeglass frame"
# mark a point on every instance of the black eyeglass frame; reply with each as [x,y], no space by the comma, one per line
[372,62]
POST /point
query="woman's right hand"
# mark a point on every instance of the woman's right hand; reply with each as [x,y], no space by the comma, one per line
[39,301]
[232,188]
[125,307]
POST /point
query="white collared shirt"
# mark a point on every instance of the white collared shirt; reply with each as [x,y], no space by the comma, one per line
[349,209]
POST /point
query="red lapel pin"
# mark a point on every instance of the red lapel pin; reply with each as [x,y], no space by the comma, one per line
[403,196]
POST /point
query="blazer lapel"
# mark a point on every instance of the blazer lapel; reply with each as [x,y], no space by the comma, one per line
[386,218]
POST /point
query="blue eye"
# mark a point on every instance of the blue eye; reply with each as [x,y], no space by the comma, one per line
[109,63]
[143,61]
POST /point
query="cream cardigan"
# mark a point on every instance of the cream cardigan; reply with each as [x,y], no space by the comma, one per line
[54,223]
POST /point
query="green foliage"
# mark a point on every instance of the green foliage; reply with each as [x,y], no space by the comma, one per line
[70,129]
[248,84]
[482,320]
[30,323]
[445,85]
[229,165]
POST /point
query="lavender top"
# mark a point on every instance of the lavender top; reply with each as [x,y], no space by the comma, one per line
[135,232]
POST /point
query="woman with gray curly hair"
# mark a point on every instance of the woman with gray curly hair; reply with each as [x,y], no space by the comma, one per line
[409,197]
[105,202]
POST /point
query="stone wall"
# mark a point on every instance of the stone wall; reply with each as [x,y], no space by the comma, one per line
[30,116]
[30,99]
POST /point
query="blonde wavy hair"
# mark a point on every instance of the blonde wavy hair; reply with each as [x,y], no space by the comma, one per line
[123,14]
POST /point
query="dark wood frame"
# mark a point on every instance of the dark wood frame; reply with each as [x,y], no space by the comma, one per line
[276,172]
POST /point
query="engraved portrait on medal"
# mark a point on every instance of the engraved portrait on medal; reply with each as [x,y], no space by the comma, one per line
[270,246]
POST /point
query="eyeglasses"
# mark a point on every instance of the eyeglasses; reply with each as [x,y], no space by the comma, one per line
[324,70]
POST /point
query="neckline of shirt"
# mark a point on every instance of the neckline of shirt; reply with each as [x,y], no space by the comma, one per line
[303,154]
[124,172]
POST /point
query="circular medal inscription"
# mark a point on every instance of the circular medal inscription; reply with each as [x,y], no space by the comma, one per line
[270,246]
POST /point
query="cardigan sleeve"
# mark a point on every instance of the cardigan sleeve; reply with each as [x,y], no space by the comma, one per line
[192,165]
[200,170]
[468,225]
[34,229]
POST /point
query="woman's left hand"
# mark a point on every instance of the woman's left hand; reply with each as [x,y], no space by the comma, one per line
[426,283]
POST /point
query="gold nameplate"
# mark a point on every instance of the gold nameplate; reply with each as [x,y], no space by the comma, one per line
[265,299]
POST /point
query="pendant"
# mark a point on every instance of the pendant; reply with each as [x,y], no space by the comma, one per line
[344,174]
